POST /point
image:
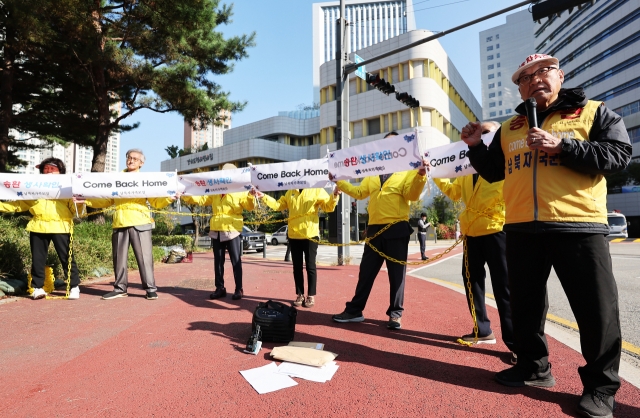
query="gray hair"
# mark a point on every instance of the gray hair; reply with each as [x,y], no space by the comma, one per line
[495,124]
[137,150]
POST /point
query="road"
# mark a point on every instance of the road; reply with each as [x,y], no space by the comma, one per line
[626,266]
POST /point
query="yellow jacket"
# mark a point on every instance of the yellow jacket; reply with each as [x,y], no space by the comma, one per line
[391,202]
[130,212]
[537,186]
[49,216]
[484,204]
[227,209]
[303,207]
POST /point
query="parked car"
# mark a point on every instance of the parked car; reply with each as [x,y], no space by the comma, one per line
[617,225]
[252,240]
[278,237]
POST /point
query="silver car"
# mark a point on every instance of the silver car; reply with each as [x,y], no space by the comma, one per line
[280,236]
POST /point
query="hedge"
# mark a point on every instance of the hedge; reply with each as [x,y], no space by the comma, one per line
[169,240]
[91,246]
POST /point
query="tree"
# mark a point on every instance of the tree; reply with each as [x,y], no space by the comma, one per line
[416,209]
[172,150]
[115,57]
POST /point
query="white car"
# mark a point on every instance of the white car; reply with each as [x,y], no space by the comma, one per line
[278,237]
[617,225]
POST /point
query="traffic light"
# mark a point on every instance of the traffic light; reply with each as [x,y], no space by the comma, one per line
[549,8]
[380,84]
[407,99]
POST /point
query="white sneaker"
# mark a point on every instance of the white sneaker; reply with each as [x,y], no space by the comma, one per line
[74,293]
[38,293]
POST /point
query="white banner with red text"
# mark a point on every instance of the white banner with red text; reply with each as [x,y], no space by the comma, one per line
[303,174]
[385,156]
[34,186]
[215,182]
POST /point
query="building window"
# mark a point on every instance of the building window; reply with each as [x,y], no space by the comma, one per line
[492,114]
[498,65]
[492,95]
[634,134]
[499,93]
[499,74]
[373,126]
[489,57]
[629,109]
[491,76]
[490,67]
[501,113]
[497,46]
[497,36]
[490,48]
[492,104]
[500,103]
[508,111]
[498,55]
[499,83]
[489,38]
[492,85]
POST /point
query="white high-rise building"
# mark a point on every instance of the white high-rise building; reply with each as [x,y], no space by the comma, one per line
[212,135]
[502,49]
[371,22]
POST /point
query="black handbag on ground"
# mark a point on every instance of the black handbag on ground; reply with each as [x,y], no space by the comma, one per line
[277,321]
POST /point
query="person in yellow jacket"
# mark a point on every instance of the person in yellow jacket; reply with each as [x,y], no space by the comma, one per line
[481,223]
[132,225]
[389,197]
[225,231]
[51,222]
[303,206]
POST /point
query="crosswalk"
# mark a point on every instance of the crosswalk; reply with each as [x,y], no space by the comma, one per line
[327,255]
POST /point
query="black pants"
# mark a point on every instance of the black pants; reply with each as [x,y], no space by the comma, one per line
[234,247]
[308,249]
[39,249]
[422,238]
[370,267]
[490,250]
[583,265]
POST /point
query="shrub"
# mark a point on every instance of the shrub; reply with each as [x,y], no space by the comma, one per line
[445,232]
[167,241]
[91,247]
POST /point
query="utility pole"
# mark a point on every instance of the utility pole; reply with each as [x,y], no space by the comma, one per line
[342,126]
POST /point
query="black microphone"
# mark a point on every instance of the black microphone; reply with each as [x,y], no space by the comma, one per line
[530,104]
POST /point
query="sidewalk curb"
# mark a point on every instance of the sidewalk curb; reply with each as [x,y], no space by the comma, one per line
[627,371]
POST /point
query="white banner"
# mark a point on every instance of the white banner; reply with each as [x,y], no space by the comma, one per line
[385,156]
[449,161]
[215,182]
[124,185]
[303,174]
[34,186]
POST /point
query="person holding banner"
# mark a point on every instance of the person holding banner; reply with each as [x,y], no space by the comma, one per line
[132,225]
[52,222]
[553,156]
[485,243]
[303,231]
[224,230]
[389,198]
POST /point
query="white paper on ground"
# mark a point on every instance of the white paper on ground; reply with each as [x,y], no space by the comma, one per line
[265,379]
[315,374]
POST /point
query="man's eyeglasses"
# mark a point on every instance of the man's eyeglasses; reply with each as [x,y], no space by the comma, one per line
[540,72]
[133,159]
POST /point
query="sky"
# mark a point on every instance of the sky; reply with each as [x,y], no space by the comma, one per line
[277,75]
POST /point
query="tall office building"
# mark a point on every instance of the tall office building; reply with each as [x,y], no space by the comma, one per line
[371,21]
[212,135]
[502,49]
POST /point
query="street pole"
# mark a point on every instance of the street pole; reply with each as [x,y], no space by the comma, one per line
[342,126]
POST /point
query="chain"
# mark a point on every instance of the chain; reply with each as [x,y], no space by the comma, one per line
[473,306]
[66,296]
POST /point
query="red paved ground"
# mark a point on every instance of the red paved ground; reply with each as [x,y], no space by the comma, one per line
[180,355]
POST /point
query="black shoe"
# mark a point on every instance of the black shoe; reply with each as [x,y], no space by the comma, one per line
[219,293]
[114,294]
[152,296]
[424,257]
[237,294]
[596,404]
[518,376]
[347,317]
[471,338]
